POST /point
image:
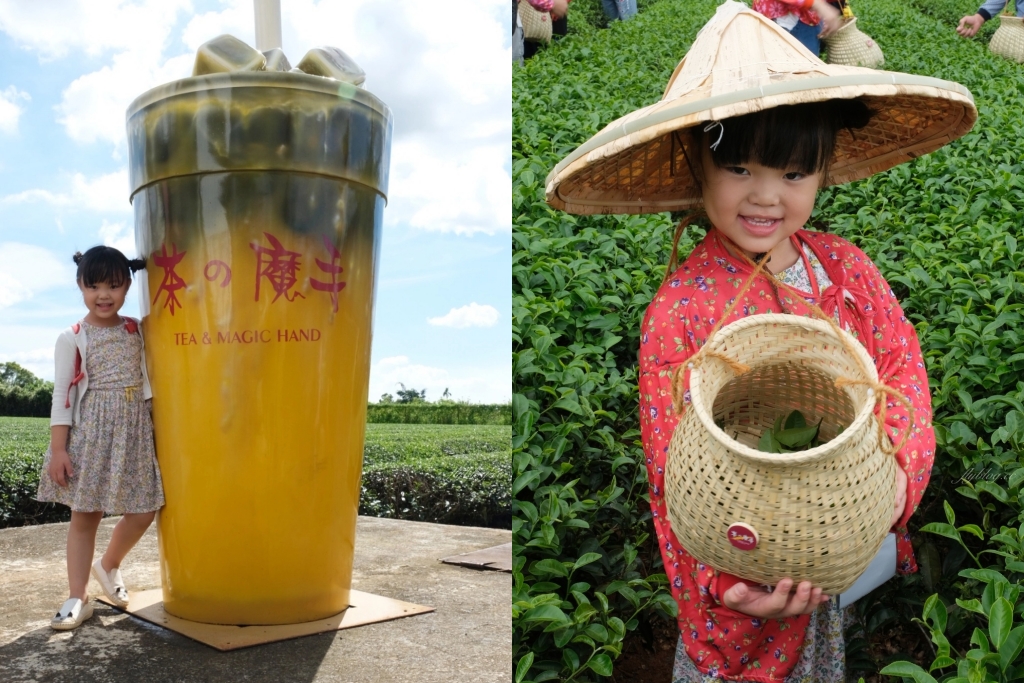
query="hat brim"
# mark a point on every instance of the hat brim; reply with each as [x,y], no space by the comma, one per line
[637,164]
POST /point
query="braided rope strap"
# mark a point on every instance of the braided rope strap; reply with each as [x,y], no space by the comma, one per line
[878,390]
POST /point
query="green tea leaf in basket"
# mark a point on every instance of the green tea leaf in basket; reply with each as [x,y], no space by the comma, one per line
[795,436]
[768,444]
[795,419]
[798,437]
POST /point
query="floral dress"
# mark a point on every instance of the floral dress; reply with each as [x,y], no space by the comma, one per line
[111,448]
[717,641]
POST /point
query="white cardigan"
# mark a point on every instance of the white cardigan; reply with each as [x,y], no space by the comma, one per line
[71,342]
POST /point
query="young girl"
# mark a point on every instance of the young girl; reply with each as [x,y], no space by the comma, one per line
[101,456]
[748,130]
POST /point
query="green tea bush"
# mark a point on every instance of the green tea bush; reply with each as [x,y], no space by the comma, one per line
[438,413]
[944,229]
[23,441]
[585,567]
[444,474]
[450,474]
[949,13]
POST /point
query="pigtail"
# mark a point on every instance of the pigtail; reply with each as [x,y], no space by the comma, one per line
[136,264]
[77,258]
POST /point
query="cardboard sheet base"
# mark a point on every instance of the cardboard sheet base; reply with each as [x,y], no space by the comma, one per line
[498,558]
[366,608]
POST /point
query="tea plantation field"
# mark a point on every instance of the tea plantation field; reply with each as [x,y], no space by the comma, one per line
[945,231]
[451,474]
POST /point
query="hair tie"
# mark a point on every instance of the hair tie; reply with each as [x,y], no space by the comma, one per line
[721,132]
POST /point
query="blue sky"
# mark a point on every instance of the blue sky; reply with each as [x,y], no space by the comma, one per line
[71,67]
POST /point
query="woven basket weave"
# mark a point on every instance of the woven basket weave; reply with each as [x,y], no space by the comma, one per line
[852,47]
[536,24]
[820,515]
[1008,40]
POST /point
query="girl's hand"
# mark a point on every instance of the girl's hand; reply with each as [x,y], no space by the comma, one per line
[758,602]
[831,18]
[559,9]
[901,496]
[60,468]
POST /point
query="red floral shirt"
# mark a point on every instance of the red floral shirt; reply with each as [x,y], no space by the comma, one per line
[773,9]
[720,641]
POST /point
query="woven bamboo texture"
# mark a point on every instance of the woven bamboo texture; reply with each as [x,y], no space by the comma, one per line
[1008,40]
[742,62]
[852,47]
[820,514]
[536,25]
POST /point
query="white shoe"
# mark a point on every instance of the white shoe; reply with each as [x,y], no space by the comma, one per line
[111,583]
[71,614]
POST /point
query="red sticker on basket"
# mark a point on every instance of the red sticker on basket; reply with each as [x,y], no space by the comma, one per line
[742,536]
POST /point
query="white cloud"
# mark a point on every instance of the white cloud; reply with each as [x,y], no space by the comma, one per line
[26,270]
[10,110]
[37,361]
[93,107]
[121,236]
[475,384]
[450,98]
[463,192]
[473,315]
[106,193]
[56,27]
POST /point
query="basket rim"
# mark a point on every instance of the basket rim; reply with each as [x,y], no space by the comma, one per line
[865,412]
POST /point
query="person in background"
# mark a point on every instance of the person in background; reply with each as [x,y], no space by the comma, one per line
[971,24]
[517,35]
[559,10]
[806,20]
[619,9]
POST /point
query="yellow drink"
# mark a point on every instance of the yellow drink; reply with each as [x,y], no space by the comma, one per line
[258,200]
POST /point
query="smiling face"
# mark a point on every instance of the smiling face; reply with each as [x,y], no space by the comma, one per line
[104,301]
[759,207]
[759,183]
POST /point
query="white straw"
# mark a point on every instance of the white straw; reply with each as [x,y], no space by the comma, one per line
[268,24]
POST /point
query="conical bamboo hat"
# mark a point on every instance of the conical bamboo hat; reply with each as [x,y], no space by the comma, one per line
[742,62]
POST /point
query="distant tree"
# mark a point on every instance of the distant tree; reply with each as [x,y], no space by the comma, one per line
[13,375]
[447,394]
[411,395]
[387,398]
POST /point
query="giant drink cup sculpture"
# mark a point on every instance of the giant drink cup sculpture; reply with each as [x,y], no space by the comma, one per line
[258,195]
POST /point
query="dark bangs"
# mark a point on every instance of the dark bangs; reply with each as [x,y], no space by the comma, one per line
[797,137]
[103,265]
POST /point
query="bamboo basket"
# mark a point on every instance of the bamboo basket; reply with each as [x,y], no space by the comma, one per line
[852,47]
[818,515]
[1008,40]
[536,24]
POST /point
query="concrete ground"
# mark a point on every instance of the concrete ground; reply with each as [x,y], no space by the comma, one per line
[467,639]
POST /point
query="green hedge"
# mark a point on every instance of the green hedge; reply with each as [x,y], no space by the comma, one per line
[439,413]
[944,231]
[19,402]
[450,474]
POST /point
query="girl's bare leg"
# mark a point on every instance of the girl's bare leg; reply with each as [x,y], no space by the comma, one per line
[81,544]
[126,534]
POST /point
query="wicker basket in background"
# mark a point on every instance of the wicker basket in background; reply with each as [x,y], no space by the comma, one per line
[536,24]
[818,515]
[852,47]
[1008,40]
